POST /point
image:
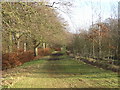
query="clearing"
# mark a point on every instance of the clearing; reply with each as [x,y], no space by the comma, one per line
[59,71]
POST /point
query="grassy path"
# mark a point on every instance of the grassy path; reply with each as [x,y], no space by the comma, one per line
[62,73]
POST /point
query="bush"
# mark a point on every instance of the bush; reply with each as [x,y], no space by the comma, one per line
[57,49]
[11,60]
[47,51]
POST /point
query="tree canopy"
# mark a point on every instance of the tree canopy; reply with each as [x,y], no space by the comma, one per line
[33,24]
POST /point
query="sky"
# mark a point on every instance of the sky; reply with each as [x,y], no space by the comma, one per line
[79,14]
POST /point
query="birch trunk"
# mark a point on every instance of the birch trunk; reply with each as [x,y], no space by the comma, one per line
[100,52]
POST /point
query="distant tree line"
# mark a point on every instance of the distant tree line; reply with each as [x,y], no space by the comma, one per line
[102,40]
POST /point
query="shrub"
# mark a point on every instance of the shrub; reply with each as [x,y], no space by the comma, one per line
[57,49]
[46,51]
[11,60]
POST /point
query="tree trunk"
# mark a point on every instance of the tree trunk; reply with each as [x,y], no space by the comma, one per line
[44,45]
[25,47]
[10,42]
[100,52]
[18,44]
[109,51]
[118,29]
[93,49]
[118,52]
[36,48]
[1,42]
[84,52]
[36,51]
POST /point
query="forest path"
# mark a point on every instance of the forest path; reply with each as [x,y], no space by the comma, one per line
[60,71]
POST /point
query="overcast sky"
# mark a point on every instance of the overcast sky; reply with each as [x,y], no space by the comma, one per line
[79,15]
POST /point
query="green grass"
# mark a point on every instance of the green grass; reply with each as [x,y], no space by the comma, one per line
[62,73]
[32,63]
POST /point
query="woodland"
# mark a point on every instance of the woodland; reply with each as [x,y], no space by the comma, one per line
[35,36]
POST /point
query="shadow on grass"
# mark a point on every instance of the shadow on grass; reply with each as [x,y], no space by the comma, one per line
[53,68]
[60,66]
[56,56]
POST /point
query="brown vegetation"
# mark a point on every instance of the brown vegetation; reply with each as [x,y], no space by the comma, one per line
[11,60]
